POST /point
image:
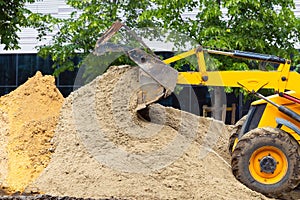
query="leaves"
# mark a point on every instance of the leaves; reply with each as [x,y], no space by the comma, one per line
[12,17]
[260,26]
[77,35]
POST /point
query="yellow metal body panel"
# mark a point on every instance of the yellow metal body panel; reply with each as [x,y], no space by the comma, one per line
[271,113]
[250,80]
[180,56]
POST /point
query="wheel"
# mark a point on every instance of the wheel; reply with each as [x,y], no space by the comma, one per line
[267,160]
[233,139]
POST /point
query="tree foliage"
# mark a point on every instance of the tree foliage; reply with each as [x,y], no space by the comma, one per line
[79,33]
[12,17]
[260,26]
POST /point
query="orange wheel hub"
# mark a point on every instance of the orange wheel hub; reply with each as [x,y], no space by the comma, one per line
[268,165]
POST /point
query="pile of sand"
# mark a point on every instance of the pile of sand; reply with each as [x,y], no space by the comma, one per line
[28,117]
[103,148]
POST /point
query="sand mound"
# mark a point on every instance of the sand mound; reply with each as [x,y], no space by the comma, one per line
[104,149]
[28,118]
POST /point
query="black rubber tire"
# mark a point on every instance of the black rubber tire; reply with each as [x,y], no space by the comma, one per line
[256,139]
[235,133]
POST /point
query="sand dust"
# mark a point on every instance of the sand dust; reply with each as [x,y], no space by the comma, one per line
[28,118]
[103,149]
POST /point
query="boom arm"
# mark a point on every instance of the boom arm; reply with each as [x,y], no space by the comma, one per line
[252,81]
[280,80]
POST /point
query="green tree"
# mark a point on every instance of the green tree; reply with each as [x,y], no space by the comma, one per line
[79,33]
[260,26]
[12,17]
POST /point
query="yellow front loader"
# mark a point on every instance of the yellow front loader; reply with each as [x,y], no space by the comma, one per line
[265,148]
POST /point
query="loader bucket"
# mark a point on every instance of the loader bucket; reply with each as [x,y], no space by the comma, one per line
[156,79]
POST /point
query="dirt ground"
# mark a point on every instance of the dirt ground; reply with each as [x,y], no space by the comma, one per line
[103,148]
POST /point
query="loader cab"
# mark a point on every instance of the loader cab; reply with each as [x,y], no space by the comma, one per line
[262,114]
[254,116]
